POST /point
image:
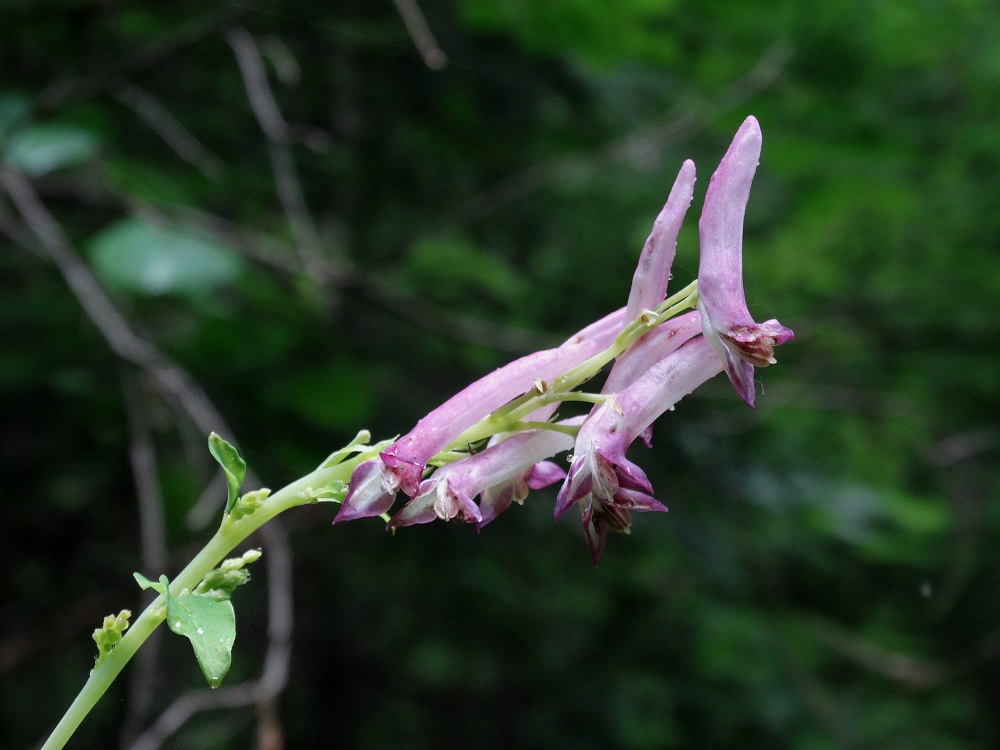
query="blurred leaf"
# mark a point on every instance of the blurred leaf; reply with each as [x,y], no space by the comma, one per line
[141,257]
[338,394]
[14,109]
[456,271]
[39,149]
[601,33]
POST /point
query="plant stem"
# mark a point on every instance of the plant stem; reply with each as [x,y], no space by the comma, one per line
[225,540]
[560,388]
[232,532]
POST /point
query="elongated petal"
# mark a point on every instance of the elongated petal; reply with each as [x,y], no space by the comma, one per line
[418,510]
[455,484]
[650,349]
[499,462]
[438,498]
[366,496]
[401,465]
[633,409]
[495,500]
[543,474]
[649,284]
[406,457]
[738,340]
[599,468]
[579,482]
[720,273]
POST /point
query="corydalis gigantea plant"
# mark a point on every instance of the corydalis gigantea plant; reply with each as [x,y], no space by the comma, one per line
[662,348]
[658,359]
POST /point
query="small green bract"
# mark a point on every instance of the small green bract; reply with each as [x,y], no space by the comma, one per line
[110,634]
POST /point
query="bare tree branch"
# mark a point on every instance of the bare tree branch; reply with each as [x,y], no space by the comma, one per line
[153,531]
[259,95]
[416,25]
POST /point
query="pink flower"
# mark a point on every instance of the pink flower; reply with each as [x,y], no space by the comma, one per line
[660,367]
[601,478]
[375,482]
[450,491]
[739,341]
[649,283]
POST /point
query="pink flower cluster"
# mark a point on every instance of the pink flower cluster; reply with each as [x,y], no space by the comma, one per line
[661,366]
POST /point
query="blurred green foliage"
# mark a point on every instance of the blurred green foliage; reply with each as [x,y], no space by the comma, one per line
[827,575]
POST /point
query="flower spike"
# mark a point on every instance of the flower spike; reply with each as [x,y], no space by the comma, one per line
[657,363]
[741,342]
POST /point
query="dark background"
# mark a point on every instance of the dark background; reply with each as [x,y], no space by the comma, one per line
[360,232]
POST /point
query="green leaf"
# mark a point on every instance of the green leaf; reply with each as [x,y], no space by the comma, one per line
[210,625]
[205,616]
[234,467]
[138,256]
[40,149]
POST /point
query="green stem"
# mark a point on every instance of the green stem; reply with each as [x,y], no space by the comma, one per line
[561,387]
[225,540]
[232,532]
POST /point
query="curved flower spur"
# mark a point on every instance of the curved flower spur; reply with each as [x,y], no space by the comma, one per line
[662,350]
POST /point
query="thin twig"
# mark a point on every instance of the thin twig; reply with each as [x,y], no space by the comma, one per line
[153,549]
[153,531]
[273,125]
[169,128]
[913,672]
[51,244]
[639,145]
[259,95]
[187,33]
[416,25]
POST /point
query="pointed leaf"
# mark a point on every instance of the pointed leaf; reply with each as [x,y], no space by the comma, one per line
[234,467]
[210,625]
